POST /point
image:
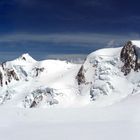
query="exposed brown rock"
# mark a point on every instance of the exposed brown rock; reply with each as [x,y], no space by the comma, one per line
[36,101]
[80,76]
[11,74]
[8,74]
[34,104]
[1,79]
[23,58]
[3,65]
[129,57]
[38,70]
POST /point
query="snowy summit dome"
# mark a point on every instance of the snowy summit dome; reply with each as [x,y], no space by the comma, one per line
[26,57]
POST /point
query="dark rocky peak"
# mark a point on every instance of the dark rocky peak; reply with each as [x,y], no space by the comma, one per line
[130,55]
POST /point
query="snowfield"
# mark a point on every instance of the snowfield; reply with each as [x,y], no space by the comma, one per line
[119,121]
[52,99]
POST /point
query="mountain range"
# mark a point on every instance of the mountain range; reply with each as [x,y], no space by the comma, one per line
[107,76]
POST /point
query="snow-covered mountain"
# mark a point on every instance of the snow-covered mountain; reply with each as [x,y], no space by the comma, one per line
[107,76]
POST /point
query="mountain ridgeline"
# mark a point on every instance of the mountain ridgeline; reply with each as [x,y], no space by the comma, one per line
[106,76]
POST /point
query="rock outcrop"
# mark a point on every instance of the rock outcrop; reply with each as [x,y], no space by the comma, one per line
[80,76]
[129,56]
[7,75]
[39,95]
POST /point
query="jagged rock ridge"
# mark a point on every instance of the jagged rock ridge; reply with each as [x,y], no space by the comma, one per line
[129,56]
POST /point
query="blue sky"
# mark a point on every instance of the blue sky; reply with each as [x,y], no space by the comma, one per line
[66,26]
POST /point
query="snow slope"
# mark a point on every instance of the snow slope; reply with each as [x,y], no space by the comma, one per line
[48,79]
[107,76]
[103,79]
[71,101]
[119,121]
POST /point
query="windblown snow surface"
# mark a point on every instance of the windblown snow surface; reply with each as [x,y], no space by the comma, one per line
[49,100]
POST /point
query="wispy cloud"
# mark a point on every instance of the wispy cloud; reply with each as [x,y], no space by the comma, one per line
[83,39]
[79,43]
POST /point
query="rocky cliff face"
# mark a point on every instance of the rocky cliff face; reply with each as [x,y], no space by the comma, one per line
[7,75]
[129,56]
[80,76]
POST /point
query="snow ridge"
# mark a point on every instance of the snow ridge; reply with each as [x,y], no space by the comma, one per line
[107,76]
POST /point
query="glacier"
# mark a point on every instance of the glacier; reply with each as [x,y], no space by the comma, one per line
[105,77]
[52,99]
